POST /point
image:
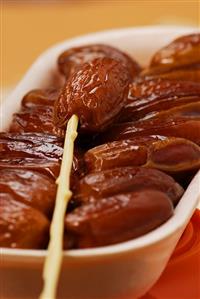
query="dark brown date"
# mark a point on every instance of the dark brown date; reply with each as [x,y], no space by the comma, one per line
[169,154]
[21,226]
[70,60]
[44,166]
[40,97]
[126,179]
[37,120]
[128,152]
[27,149]
[147,96]
[30,145]
[118,218]
[174,155]
[30,187]
[187,111]
[32,138]
[184,127]
[183,51]
[96,94]
[183,74]
[180,60]
[158,88]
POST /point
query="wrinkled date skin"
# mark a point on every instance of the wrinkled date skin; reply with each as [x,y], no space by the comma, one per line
[118,218]
[38,120]
[187,111]
[187,127]
[96,93]
[44,166]
[126,179]
[169,154]
[36,151]
[40,196]
[72,59]
[156,89]
[147,96]
[127,152]
[191,73]
[30,145]
[40,97]
[21,226]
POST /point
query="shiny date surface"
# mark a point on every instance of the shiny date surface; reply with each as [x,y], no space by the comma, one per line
[169,154]
[118,218]
[17,182]
[126,179]
[96,93]
[70,60]
[21,226]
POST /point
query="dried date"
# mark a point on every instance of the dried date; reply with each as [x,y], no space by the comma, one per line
[174,155]
[30,187]
[96,93]
[118,218]
[126,179]
[37,120]
[44,166]
[30,145]
[184,50]
[21,226]
[70,60]
[184,127]
[40,97]
[147,96]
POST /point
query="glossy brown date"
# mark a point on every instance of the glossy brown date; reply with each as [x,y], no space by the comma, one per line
[147,96]
[169,154]
[21,226]
[40,97]
[118,218]
[30,187]
[30,145]
[95,93]
[174,156]
[30,149]
[44,166]
[183,51]
[187,111]
[131,113]
[126,179]
[127,152]
[35,120]
[191,74]
[183,127]
[32,138]
[70,60]
[158,88]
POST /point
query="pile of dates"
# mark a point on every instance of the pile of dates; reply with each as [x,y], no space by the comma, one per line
[137,150]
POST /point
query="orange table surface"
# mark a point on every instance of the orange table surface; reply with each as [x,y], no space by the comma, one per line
[181,278]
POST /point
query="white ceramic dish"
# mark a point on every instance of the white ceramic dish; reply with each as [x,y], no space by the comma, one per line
[126,270]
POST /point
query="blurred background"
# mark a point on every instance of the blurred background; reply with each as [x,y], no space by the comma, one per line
[29,27]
